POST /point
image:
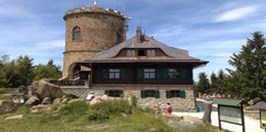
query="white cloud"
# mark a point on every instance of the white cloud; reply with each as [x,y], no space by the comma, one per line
[235,14]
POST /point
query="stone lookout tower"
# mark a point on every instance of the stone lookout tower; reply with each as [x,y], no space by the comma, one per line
[88,31]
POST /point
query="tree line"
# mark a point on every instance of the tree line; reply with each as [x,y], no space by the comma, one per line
[247,79]
[22,72]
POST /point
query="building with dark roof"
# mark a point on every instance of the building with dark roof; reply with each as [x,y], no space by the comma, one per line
[140,66]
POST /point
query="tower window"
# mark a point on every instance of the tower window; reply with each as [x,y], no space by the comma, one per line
[76,34]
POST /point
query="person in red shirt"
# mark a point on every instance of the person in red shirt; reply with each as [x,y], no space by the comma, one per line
[169,108]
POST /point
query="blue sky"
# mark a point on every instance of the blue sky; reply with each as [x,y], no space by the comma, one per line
[210,29]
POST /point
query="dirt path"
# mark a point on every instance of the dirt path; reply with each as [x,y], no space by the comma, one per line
[252,125]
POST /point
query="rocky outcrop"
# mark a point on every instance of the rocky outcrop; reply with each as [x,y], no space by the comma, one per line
[39,108]
[47,100]
[96,100]
[42,89]
[7,106]
[32,101]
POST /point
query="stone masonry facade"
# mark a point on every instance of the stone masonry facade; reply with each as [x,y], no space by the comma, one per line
[179,104]
[100,29]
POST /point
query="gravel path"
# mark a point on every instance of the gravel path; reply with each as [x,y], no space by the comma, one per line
[251,125]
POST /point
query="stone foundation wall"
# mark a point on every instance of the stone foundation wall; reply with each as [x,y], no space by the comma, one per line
[179,104]
[80,92]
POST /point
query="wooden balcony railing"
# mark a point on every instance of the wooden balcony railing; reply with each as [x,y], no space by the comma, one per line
[68,82]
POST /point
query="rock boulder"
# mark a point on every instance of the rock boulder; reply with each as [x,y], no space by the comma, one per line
[32,101]
[15,117]
[39,108]
[46,100]
[7,106]
[43,89]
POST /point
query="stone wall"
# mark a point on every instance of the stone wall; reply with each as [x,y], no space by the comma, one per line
[179,104]
[80,92]
[99,30]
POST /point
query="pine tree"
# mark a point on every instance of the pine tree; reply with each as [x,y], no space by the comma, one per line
[203,86]
[249,74]
[214,83]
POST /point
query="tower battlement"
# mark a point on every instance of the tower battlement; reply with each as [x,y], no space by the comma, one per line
[87,9]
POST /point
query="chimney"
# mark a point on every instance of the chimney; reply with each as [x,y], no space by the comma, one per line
[138,35]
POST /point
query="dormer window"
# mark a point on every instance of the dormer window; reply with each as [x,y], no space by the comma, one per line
[141,52]
[131,53]
[76,34]
[151,52]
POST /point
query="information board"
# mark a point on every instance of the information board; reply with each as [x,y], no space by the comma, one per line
[230,114]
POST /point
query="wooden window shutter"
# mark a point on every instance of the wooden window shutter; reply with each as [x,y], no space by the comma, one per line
[182,94]
[157,94]
[142,94]
[107,92]
[168,93]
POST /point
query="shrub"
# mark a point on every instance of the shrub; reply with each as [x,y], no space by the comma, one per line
[113,107]
[97,116]
[74,108]
[134,101]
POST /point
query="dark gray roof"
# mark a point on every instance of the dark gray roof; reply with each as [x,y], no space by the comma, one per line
[173,54]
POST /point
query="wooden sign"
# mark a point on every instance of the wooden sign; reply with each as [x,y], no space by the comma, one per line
[230,111]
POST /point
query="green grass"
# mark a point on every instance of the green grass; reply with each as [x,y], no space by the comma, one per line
[7,90]
[62,121]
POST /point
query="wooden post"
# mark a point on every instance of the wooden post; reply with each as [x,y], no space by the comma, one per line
[219,121]
[242,118]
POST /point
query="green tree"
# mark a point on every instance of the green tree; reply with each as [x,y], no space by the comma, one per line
[3,80]
[249,73]
[18,72]
[214,83]
[25,67]
[49,71]
[203,86]
[222,82]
